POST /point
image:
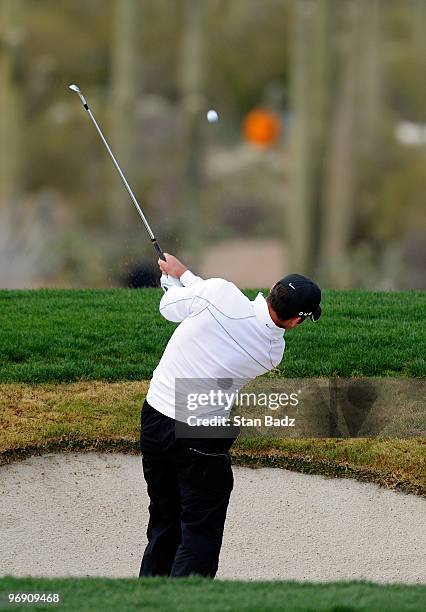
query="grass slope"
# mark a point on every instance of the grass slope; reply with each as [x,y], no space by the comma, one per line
[195,594]
[118,334]
[101,416]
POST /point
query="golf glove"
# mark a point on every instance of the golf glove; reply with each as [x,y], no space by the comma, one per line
[167,281]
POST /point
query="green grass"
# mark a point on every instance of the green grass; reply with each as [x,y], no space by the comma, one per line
[118,334]
[197,594]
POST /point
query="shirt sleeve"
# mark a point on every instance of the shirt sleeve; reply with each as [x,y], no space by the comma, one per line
[188,278]
[178,302]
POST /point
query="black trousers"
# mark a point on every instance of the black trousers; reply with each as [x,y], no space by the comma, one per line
[189,484]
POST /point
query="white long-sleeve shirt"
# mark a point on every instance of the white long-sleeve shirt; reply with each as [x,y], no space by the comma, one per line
[222,335]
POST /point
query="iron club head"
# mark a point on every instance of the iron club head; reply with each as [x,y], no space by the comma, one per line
[77,90]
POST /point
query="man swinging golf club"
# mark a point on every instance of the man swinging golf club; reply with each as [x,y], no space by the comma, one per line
[224,338]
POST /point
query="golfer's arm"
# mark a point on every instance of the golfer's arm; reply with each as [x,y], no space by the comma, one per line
[177,303]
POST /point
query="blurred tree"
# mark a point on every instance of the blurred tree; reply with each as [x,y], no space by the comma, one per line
[247,51]
[336,219]
[191,71]
[354,131]
[125,82]
[314,25]
[10,103]
[419,53]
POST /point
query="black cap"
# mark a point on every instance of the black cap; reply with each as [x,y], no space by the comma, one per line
[304,296]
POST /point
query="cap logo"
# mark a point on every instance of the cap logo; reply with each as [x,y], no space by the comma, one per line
[290,285]
[305,314]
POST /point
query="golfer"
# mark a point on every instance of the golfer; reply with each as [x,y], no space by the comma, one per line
[222,336]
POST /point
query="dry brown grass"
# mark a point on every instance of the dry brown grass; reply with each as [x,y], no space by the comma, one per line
[105,416]
[33,414]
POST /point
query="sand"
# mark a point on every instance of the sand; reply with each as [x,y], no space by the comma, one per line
[86,515]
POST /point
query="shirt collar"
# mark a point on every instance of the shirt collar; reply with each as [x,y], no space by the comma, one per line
[262,313]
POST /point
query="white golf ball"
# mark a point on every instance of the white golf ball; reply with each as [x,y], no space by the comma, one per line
[212,116]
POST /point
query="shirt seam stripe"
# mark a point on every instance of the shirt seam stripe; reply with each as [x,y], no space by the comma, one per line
[210,304]
[241,347]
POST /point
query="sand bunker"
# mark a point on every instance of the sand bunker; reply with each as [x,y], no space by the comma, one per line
[86,515]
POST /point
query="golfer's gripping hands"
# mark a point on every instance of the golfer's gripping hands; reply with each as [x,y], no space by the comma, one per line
[172,269]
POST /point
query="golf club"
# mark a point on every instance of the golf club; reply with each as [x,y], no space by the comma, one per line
[77,89]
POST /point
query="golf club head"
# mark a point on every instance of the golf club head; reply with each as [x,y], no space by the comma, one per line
[77,90]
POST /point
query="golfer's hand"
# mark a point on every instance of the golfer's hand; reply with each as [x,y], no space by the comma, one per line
[166,282]
[172,266]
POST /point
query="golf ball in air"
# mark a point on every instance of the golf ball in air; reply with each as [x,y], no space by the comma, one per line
[212,116]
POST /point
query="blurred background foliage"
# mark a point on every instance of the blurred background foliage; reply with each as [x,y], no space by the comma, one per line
[338,194]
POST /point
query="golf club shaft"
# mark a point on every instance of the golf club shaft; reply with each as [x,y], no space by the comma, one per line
[123,178]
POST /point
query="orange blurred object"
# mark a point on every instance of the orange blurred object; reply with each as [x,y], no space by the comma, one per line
[261,127]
